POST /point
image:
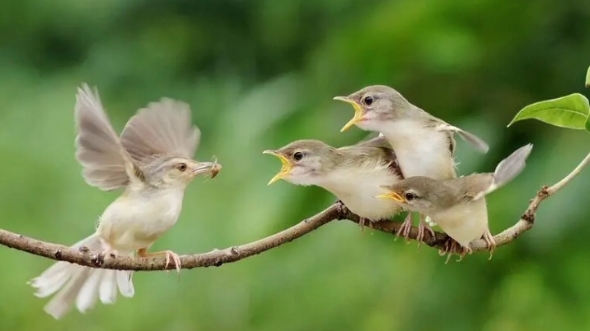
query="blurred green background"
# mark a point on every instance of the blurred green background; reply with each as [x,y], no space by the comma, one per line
[260,74]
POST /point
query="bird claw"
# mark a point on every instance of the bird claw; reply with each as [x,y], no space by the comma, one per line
[453,247]
[404,229]
[423,227]
[169,255]
[490,241]
[362,222]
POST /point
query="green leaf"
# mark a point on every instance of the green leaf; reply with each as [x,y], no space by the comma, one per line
[588,77]
[570,112]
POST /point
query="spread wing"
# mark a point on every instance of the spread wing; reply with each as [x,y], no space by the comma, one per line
[163,128]
[105,162]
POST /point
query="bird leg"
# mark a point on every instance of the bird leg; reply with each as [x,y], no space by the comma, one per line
[404,229]
[453,247]
[423,226]
[362,222]
[490,241]
[170,255]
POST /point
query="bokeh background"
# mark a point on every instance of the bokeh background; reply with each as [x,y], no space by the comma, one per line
[260,74]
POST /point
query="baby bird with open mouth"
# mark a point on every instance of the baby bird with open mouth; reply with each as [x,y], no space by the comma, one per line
[354,174]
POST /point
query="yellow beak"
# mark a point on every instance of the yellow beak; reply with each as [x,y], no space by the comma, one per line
[358,113]
[392,196]
[285,169]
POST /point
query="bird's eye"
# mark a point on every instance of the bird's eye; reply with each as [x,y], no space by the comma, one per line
[368,100]
[181,167]
[409,196]
[297,156]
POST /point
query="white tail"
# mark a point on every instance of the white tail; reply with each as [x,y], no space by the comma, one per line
[82,285]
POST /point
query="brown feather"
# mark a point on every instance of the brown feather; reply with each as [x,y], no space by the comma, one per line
[163,128]
[105,162]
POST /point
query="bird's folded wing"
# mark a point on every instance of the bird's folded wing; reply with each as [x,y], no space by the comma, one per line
[162,128]
[105,162]
[375,151]
[473,187]
[374,140]
[474,140]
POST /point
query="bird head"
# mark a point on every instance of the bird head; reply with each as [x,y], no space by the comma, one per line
[374,106]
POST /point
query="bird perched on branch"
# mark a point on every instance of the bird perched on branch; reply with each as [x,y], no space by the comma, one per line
[424,144]
[458,205]
[153,161]
[355,174]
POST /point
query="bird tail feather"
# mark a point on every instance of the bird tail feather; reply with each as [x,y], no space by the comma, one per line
[508,168]
[81,285]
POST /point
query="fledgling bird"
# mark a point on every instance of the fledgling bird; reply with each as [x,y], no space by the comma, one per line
[458,205]
[153,161]
[354,174]
[424,144]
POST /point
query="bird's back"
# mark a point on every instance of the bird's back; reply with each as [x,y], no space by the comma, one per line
[470,186]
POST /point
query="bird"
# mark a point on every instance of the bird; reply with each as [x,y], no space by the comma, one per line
[354,174]
[458,205]
[424,145]
[152,161]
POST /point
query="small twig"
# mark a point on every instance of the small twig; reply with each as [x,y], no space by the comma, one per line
[83,256]
[558,186]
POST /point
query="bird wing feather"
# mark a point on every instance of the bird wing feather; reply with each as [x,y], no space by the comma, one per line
[379,150]
[105,162]
[162,128]
[469,137]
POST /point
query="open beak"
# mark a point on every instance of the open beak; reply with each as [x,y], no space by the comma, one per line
[206,167]
[358,112]
[285,168]
[391,196]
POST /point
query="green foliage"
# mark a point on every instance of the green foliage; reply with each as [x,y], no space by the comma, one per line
[570,111]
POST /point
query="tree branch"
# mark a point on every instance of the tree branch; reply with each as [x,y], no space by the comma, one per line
[337,211]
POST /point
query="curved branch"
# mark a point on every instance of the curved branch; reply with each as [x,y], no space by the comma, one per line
[337,211]
[83,256]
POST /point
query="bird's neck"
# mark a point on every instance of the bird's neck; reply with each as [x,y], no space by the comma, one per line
[155,192]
